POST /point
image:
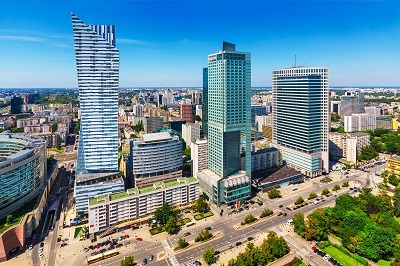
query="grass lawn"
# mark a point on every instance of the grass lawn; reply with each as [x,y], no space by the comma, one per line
[200,216]
[340,256]
[17,215]
[384,263]
[336,237]
[77,230]
[160,229]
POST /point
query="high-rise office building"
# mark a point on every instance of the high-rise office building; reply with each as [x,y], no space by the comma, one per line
[97,62]
[229,93]
[352,103]
[204,118]
[300,117]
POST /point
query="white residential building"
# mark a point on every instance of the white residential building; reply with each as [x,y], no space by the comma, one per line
[190,132]
[373,110]
[263,120]
[359,122]
[199,155]
[108,210]
[348,145]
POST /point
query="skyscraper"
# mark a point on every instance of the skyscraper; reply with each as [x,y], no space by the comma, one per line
[97,62]
[229,93]
[300,117]
[204,118]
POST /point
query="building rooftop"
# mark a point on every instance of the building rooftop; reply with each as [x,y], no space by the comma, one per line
[275,174]
[156,136]
[83,177]
[136,191]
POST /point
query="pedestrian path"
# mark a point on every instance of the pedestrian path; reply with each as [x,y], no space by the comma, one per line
[169,252]
[173,261]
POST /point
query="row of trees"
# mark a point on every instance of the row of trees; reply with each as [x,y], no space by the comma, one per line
[272,248]
[365,224]
[384,140]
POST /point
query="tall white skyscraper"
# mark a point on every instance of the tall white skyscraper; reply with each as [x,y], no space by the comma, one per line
[300,117]
[97,62]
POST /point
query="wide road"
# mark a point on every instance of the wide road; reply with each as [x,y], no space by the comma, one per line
[230,236]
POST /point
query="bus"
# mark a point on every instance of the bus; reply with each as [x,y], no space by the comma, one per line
[190,224]
[103,256]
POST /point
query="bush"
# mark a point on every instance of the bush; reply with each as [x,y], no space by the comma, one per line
[203,236]
[182,243]
[345,184]
[335,188]
[312,195]
[325,192]
[326,180]
[299,201]
[274,193]
[249,219]
[266,213]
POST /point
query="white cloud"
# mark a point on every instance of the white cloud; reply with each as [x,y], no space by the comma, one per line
[133,41]
[16,38]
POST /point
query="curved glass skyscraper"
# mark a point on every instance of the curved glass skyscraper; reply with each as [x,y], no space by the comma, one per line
[97,62]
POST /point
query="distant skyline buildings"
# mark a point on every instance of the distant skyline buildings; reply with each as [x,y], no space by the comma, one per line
[163,51]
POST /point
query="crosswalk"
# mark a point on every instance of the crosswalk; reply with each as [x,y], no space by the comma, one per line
[168,250]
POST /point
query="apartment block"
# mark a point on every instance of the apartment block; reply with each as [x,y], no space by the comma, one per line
[199,155]
[190,132]
[151,124]
[265,159]
[108,210]
[359,122]
[348,145]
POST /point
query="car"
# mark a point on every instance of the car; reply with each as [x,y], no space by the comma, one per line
[111,247]
[119,245]
[151,257]
[280,206]
[103,250]
[144,261]
[127,243]
[41,244]
[288,208]
[250,238]
[238,243]
[64,244]
[230,246]
[208,228]
[241,209]
[85,249]
[91,247]
[114,240]
[260,203]
[30,247]
[41,255]
[187,234]
[251,201]
[229,207]
[40,250]
[216,252]
[139,239]
[316,250]
[285,214]
[126,236]
[246,207]
[192,263]
[120,238]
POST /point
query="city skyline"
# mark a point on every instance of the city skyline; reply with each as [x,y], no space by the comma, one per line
[164,45]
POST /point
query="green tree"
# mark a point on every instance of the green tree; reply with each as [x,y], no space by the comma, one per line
[299,225]
[17,130]
[203,235]
[393,180]
[187,153]
[208,255]
[345,184]
[396,202]
[182,243]
[58,146]
[325,192]
[335,188]
[367,153]
[335,117]
[9,219]
[77,127]
[170,226]
[149,222]
[128,261]
[54,127]
[266,213]
[312,195]
[249,219]
[201,204]
[163,213]
[340,129]
[299,201]
[274,193]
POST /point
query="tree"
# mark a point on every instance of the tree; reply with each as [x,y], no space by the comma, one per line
[312,195]
[335,188]
[266,213]
[299,226]
[367,153]
[335,117]
[54,127]
[345,184]
[163,213]
[58,146]
[393,180]
[77,127]
[182,243]
[201,204]
[187,153]
[249,219]
[325,192]
[203,235]
[10,219]
[149,222]
[128,261]
[274,193]
[299,201]
[340,129]
[170,226]
[208,255]
[396,202]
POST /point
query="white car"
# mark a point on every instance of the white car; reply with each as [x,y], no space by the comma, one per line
[40,250]
[41,255]
[30,247]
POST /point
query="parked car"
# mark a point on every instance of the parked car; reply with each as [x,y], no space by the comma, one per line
[139,239]
[280,206]
[119,245]
[216,252]
[208,228]
[144,261]
[41,255]
[30,247]
[41,244]
[238,243]
[250,238]
[186,234]
[151,257]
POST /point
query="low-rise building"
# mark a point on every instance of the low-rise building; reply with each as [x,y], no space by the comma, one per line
[265,159]
[108,210]
[199,155]
[394,166]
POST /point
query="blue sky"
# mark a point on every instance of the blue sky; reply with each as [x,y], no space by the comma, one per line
[166,43]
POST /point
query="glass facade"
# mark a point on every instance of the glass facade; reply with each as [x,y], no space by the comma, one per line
[205,101]
[97,61]
[300,117]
